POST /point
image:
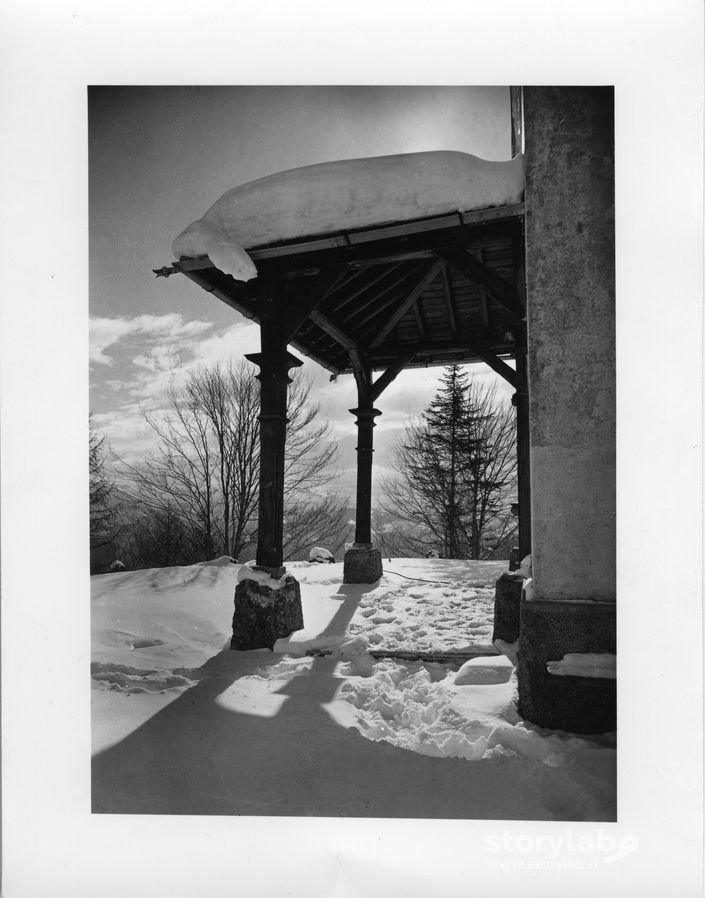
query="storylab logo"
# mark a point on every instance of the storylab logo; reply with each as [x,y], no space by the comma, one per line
[569,850]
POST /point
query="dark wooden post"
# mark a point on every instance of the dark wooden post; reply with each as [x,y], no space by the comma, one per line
[271,609]
[274,362]
[365,414]
[363,563]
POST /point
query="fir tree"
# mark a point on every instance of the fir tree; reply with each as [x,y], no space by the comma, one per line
[457,467]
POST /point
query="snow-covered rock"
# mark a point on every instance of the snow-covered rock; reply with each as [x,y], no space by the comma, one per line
[479,671]
[342,196]
[508,649]
[319,555]
[525,567]
[584,664]
[249,572]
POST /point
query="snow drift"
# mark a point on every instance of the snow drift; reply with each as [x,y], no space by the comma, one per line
[344,195]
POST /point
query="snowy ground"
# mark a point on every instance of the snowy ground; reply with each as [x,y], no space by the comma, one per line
[182,724]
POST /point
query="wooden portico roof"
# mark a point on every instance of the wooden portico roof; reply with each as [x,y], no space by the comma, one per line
[428,292]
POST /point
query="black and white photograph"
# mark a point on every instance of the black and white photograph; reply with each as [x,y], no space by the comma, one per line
[371,399]
[352,451]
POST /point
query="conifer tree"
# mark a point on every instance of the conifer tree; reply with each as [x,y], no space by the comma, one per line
[457,469]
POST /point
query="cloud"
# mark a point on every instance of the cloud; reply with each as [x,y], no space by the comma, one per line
[169,330]
[148,354]
[162,365]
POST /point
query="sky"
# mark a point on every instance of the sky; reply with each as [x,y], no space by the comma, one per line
[160,156]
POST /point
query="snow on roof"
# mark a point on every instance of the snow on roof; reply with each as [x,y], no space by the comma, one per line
[345,195]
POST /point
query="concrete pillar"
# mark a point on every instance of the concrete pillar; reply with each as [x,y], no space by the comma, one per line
[569,199]
[521,402]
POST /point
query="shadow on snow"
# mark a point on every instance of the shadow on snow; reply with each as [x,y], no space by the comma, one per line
[197,757]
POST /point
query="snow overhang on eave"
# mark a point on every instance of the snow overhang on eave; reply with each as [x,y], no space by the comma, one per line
[293,258]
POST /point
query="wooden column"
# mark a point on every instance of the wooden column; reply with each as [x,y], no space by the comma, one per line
[365,414]
[274,363]
[363,563]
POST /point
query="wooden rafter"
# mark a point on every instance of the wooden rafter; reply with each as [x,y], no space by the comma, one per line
[368,285]
[377,311]
[452,348]
[448,293]
[340,294]
[334,330]
[352,274]
[494,361]
[401,256]
[502,291]
[484,301]
[241,303]
[298,311]
[419,321]
[411,299]
[385,379]
[362,369]
[375,297]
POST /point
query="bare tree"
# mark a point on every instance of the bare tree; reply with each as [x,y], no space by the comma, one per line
[309,523]
[396,538]
[103,515]
[457,469]
[152,537]
[206,467]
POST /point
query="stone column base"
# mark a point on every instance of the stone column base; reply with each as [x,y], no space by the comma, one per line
[362,565]
[507,599]
[550,630]
[263,615]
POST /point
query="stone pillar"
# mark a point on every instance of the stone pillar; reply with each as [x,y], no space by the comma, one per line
[569,201]
[521,402]
[268,608]
[363,563]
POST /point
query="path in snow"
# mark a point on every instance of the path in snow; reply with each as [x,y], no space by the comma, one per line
[452,613]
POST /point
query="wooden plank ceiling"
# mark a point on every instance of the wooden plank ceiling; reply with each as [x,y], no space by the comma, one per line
[430,292]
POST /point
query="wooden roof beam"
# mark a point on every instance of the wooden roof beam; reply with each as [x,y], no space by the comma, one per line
[484,302]
[494,361]
[419,321]
[412,298]
[502,291]
[301,308]
[334,330]
[368,285]
[377,311]
[385,379]
[242,304]
[377,296]
[448,293]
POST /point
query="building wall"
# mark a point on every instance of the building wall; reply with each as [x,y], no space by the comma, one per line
[570,274]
